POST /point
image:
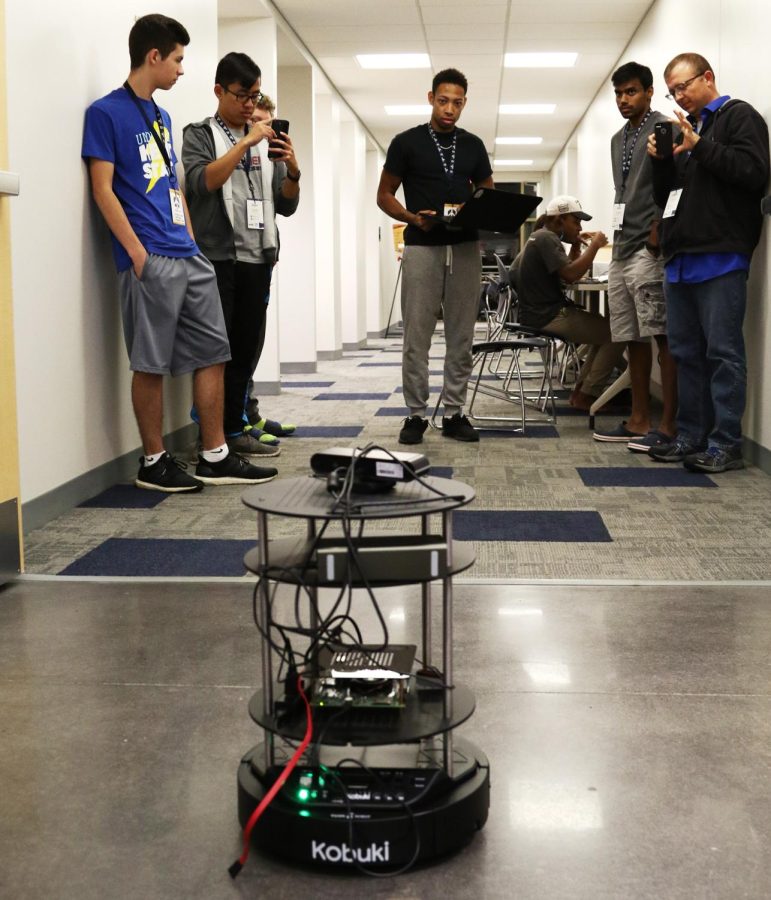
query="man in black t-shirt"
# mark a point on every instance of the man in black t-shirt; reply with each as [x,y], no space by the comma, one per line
[438,165]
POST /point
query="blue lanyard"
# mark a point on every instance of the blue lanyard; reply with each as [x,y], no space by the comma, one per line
[246,160]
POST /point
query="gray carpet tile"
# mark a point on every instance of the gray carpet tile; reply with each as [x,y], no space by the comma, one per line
[669,533]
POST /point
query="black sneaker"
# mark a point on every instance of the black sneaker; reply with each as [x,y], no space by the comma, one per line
[168,475]
[233,469]
[459,428]
[673,451]
[412,430]
[715,459]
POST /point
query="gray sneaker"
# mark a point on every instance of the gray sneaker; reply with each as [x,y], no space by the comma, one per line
[248,444]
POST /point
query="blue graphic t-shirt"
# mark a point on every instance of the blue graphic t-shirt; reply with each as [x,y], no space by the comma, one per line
[115,131]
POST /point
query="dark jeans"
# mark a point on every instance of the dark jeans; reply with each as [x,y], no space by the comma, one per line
[704,325]
[244,291]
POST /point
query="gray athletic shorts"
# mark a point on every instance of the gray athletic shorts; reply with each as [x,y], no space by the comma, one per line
[172,316]
[636,297]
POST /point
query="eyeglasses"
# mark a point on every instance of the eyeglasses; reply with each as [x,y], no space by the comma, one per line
[244,96]
[682,87]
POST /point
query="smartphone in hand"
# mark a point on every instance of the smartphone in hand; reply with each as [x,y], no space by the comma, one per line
[279,126]
[663,133]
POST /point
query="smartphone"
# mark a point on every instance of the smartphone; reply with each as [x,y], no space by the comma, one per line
[663,132]
[279,126]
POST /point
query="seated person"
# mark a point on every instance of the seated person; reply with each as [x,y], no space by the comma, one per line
[543,268]
[514,267]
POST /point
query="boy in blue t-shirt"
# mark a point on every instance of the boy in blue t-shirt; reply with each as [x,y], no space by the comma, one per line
[172,317]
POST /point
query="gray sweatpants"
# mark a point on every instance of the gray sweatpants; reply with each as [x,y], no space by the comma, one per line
[436,278]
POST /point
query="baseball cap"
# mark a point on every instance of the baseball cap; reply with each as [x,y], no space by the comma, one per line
[564,204]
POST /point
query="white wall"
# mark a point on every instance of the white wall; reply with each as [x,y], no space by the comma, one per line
[71,365]
[296,271]
[733,36]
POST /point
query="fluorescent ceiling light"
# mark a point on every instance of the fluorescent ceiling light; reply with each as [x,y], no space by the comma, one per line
[406,109]
[393,60]
[527,109]
[514,162]
[539,60]
[518,141]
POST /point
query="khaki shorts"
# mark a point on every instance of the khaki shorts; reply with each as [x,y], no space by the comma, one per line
[172,316]
[636,297]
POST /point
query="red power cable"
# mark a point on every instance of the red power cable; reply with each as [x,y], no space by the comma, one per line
[277,785]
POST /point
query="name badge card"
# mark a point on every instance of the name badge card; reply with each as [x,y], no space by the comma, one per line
[672,201]
[255,217]
[618,216]
[451,209]
[177,209]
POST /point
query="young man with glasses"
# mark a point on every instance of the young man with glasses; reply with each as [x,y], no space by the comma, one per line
[172,319]
[710,188]
[235,188]
[636,273]
[439,165]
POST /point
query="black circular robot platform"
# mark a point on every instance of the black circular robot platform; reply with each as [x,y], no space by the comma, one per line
[379,818]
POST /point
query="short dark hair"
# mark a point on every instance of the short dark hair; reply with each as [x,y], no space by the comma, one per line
[155,32]
[631,71]
[696,60]
[237,68]
[449,76]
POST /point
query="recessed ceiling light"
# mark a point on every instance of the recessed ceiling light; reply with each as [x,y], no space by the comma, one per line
[518,141]
[514,162]
[393,60]
[407,109]
[527,109]
[539,60]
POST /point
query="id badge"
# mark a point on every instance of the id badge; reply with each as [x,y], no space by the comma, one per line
[177,209]
[618,216]
[451,210]
[672,201]
[255,218]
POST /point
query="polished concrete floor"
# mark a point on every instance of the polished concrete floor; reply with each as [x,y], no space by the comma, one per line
[628,731]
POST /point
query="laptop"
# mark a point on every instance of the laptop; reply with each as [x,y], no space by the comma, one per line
[493,210]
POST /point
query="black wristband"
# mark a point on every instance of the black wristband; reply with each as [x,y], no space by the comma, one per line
[294,177]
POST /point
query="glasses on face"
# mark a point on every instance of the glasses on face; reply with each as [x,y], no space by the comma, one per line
[682,87]
[244,96]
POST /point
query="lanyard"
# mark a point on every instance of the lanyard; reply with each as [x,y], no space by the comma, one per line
[246,160]
[449,171]
[156,134]
[626,158]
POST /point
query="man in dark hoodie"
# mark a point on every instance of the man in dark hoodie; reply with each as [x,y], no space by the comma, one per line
[710,187]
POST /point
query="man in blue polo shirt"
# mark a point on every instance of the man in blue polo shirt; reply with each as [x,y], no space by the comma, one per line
[172,318]
[710,188]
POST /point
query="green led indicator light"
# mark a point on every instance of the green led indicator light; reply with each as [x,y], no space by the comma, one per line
[314,794]
[321,781]
[303,794]
[304,813]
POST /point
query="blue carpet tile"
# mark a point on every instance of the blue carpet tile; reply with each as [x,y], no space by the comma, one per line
[352,397]
[400,411]
[137,557]
[531,431]
[434,389]
[306,384]
[126,496]
[442,471]
[328,431]
[529,525]
[658,476]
